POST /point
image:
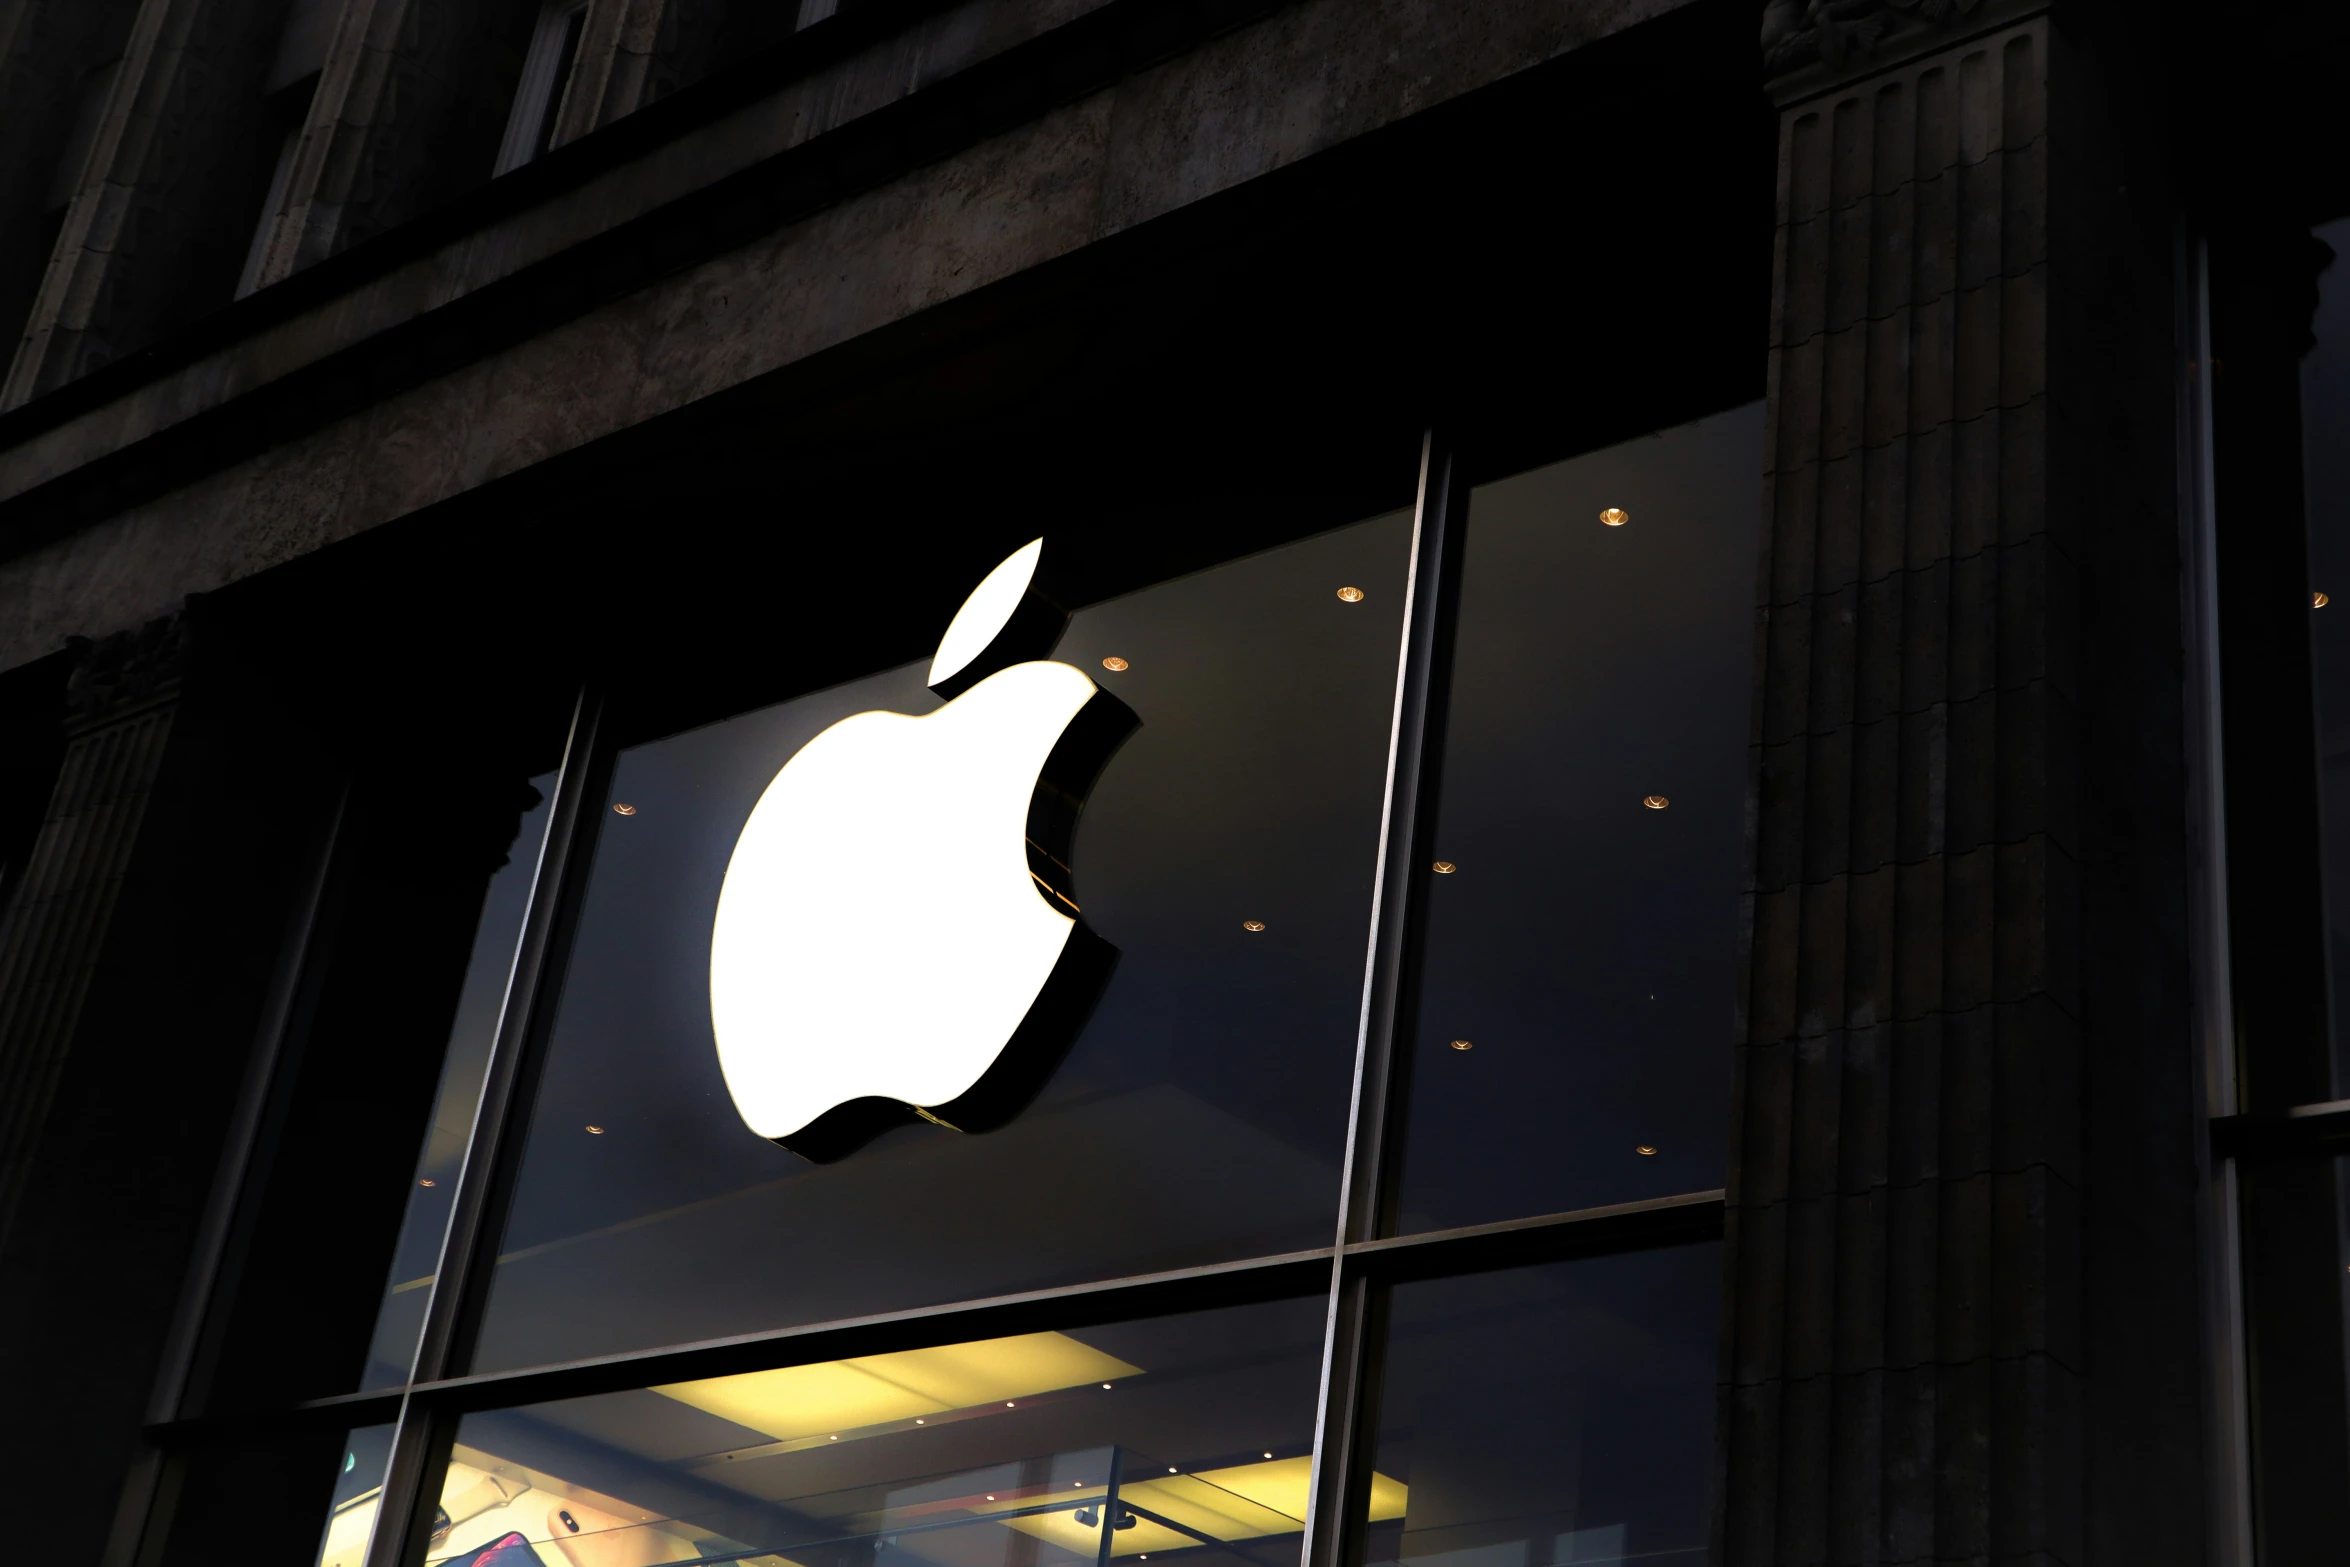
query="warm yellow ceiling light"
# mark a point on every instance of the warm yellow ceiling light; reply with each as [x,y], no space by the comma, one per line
[1245,1502]
[837,1395]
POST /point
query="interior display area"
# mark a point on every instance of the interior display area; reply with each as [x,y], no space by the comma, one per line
[1187,1437]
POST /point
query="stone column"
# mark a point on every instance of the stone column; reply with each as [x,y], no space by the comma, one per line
[1960,1055]
[121,706]
[136,960]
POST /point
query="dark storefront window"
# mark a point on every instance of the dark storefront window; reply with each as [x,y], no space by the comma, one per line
[358,1491]
[392,1347]
[1548,1416]
[2325,455]
[1579,987]
[2280,313]
[1346,786]
[1204,1101]
[1188,1435]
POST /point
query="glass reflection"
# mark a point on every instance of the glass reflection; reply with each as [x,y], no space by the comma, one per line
[1226,852]
[359,1482]
[392,1348]
[1543,1416]
[1578,986]
[1182,1438]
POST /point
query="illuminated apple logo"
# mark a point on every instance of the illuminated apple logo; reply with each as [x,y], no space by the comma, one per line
[897,935]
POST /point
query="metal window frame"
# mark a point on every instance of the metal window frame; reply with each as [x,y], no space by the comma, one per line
[2242,1148]
[1352,1273]
[2225,1381]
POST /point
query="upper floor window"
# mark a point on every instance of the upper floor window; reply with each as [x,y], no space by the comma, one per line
[546,74]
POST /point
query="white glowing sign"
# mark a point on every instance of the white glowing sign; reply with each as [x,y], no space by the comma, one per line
[879,933]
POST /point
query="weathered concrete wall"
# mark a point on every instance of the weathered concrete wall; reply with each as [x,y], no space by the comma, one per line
[1305,79]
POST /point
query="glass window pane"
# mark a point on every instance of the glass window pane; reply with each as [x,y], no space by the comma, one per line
[400,1318]
[2325,447]
[350,1523]
[1226,853]
[1578,989]
[2296,1250]
[265,1490]
[377,1079]
[1184,1438]
[1549,1415]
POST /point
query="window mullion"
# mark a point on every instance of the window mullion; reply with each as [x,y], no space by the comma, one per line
[1423,683]
[421,1441]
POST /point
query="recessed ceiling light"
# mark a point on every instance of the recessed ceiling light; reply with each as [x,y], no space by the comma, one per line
[1350,595]
[1445,867]
[918,1420]
[424,1183]
[597,1130]
[1462,1044]
[1007,1403]
[1268,1455]
[1615,516]
[1170,1469]
[1644,1150]
[2318,601]
[1113,663]
[1655,802]
[834,1439]
[991,1498]
[624,809]
[1252,925]
[1105,1387]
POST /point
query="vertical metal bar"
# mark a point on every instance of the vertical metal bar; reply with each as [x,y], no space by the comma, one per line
[1398,898]
[420,1443]
[280,1011]
[1110,1505]
[2226,1408]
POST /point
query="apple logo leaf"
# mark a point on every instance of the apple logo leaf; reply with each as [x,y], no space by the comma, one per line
[1010,618]
[898,935]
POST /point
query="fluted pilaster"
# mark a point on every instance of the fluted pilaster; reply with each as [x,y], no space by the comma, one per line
[121,708]
[1903,1384]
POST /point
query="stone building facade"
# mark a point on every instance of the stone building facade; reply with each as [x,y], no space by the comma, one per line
[413,406]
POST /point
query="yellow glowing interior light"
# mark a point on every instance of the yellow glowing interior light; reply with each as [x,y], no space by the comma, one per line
[797,1401]
[984,613]
[1245,1502]
[348,1529]
[484,1497]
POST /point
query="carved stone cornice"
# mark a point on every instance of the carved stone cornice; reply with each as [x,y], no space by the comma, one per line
[1813,46]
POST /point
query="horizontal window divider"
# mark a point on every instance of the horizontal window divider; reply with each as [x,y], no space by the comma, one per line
[1300,1273]
[1579,1232]
[2308,1131]
[1617,1227]
[347,1410]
